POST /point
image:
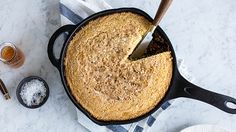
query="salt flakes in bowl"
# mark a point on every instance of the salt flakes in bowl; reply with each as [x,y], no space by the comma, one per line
[32,92]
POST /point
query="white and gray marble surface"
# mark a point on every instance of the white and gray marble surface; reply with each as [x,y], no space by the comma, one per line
[203,34]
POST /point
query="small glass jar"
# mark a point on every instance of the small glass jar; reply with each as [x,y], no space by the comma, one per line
[11,55]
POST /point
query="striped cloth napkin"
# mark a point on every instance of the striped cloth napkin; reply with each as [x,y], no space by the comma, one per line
[73,12]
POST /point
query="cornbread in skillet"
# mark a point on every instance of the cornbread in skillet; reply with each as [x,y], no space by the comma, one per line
[102,78]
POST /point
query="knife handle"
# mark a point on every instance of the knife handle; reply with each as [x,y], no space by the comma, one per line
[164,5]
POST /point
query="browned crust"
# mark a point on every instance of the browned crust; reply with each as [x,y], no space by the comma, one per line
[103,80]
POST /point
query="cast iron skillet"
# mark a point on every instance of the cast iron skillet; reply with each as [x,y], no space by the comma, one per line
[179,86]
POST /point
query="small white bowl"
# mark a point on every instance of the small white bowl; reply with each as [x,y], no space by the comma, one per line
[204,128]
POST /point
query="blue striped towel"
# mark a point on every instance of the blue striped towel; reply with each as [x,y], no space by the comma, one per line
[73,12]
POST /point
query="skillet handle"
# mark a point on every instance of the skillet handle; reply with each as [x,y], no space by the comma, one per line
[186,89]
[51,55]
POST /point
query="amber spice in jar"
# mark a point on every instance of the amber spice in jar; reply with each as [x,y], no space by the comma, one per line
[11,55]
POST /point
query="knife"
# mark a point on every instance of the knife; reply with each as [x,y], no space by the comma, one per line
[144,42]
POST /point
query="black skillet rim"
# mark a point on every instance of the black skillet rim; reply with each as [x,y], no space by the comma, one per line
[63,77]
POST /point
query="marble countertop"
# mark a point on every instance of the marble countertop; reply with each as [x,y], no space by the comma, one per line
[203,35]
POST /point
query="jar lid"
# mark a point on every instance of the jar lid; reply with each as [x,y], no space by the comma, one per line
[3,47]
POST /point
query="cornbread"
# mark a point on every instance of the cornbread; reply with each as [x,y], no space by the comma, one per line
[102,78]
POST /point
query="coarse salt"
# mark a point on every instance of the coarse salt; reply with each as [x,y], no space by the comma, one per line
[33,92]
